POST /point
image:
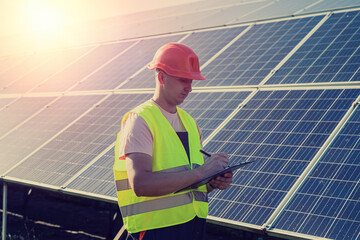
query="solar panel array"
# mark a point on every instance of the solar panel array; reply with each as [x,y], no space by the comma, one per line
[282,93]
[327,204]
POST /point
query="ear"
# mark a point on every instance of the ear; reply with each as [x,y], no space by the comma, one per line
[160,77]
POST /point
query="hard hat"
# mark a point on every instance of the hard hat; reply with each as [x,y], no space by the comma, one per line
[177,60]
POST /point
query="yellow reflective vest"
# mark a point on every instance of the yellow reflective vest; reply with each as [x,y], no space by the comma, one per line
[169,155]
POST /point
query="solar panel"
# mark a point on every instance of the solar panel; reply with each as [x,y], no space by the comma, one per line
[331,4]
[238,12]
[80,143]
[22,68]
[282,131]
[87,65]
[331,54]
[121,68]
[205,44]
[19,110]
[98,178]
[51,63]
[327,204]
[8,62]
[267,9]
[166,22]
[210,109]
[4,102]
[36,131]
[248,60]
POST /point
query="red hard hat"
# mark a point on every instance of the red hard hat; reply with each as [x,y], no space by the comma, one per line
[177,60]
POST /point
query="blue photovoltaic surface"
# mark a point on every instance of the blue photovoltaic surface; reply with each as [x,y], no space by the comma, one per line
[328,203]
[82,68]
[98,178]
[210,109]
[205,45]
[20,110]
[282,131]
[121,68]
[31,135]
[70,151]
[252,57]
[331,54]
[215,107]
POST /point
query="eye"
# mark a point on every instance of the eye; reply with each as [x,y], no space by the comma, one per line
[185,80]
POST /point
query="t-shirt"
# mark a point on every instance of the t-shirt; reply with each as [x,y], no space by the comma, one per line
[135,135]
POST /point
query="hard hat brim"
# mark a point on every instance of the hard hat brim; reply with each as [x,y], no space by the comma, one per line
[176,73]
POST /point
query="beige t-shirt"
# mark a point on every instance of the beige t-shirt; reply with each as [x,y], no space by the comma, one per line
[135,135]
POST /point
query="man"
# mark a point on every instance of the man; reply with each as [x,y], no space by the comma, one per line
[158,152]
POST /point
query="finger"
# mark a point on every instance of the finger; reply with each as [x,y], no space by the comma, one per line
[223,155]
[224,178]
[221,182]
[228,175]
[223,186]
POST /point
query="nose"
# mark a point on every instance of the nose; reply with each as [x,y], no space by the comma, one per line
[189,86]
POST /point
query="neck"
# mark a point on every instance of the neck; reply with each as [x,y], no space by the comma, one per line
[164,105]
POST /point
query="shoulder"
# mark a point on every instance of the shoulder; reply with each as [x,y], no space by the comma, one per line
[148,105]
[133,120]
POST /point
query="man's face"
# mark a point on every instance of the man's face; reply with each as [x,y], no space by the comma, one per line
[176,89]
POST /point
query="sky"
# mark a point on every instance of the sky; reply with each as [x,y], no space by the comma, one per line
[19,16]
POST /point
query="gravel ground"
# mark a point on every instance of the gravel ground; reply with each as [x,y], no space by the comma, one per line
[54,216]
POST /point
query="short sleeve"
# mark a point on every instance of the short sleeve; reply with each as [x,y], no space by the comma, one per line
[135,136]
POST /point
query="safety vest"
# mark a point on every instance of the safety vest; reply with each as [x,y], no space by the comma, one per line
[169,155]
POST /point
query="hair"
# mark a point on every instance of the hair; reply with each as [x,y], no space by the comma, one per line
[157,70]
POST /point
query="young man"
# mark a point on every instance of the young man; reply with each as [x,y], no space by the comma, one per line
[158,152]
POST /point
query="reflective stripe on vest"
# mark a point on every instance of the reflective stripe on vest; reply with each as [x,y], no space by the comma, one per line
[162,203]
[144,213]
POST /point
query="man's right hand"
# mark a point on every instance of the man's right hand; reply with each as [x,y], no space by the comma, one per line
[215,163]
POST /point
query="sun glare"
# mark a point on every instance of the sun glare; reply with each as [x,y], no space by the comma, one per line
[43,19]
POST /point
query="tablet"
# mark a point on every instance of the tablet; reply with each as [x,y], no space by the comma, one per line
[208,178]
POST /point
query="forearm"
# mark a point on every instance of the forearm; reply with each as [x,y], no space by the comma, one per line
[152,184]
[145,182]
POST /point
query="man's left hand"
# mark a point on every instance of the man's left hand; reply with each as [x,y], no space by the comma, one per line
[222,182]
